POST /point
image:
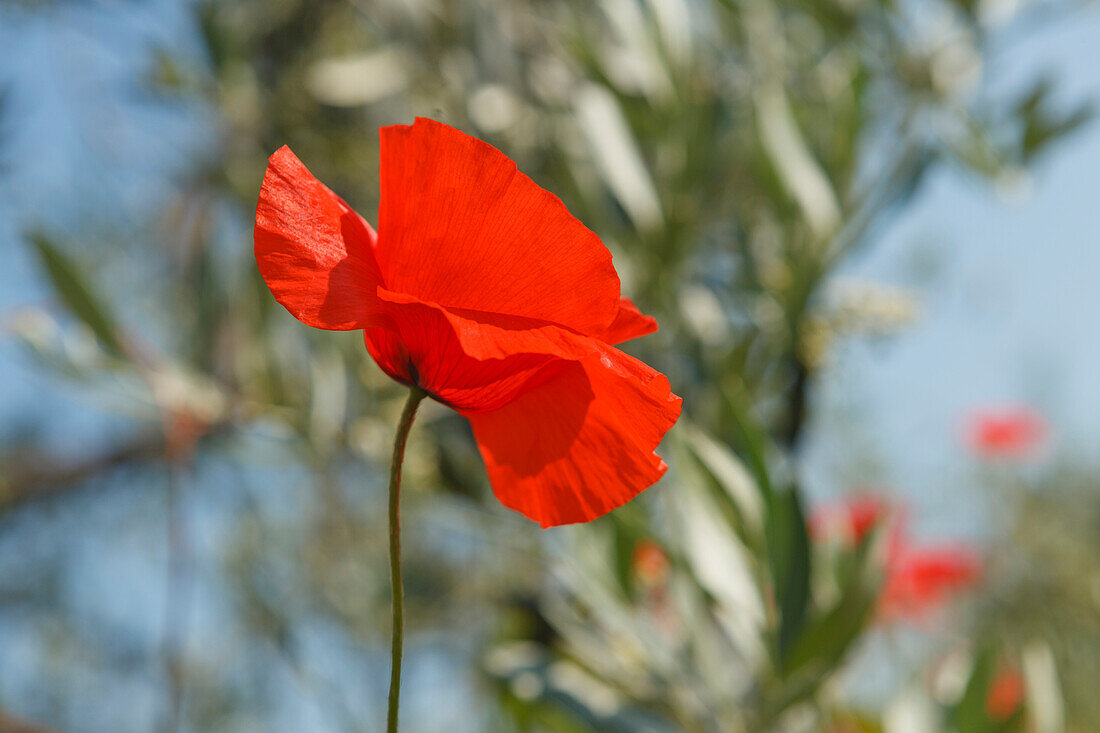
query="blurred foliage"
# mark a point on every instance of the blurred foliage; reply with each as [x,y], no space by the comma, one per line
[731,154]
[1046,581]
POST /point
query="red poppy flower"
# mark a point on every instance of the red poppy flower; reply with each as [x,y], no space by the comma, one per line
[851,519]
[1006,693]
[480,288]
[920,579]
[1006,433]
[650,563]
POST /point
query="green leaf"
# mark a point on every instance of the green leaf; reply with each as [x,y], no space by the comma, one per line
[789,560]
[626,533]
[752,438]
[74,291]
[786,541]
[969,714]
[1041,129]
[732,486]
[826,639]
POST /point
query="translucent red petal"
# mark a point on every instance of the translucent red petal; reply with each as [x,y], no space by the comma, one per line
[582,442]
[314,252]
[472,361]
[629,323]
[460,226]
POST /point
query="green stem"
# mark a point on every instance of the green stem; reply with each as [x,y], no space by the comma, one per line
[415,396]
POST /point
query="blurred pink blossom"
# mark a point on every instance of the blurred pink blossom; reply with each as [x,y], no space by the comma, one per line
[1006,433]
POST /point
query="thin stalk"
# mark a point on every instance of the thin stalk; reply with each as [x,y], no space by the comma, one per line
[176,601]
[179,446]
[396,649]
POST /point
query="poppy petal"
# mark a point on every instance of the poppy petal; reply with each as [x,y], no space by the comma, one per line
[461,382]
[920,579]
[629,323]
[493,335]
[470,361]
[474,362]
[315,253]
[459,225]
[581,442]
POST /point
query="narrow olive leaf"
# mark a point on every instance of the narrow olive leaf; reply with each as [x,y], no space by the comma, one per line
[1046,708]
[625,536]
[1035,97]
[969,714]
[735,489]
[785,537]
[751,436]
[1041,124]
[789,560]
[74,291]
[1043,128]
[826,639]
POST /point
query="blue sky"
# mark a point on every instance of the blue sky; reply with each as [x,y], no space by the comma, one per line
[1008,285]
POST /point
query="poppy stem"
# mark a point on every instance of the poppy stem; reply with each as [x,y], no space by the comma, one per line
[396,649]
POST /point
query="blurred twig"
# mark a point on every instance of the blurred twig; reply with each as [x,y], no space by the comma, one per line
[178,589]
[36,475]
[9,724]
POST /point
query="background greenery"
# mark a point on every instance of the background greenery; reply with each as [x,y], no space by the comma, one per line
[207,551]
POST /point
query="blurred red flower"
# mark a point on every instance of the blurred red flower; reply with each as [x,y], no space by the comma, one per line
[650,563]
[1014,432]
[1006,694]
[919,579]
[851,519]
[480,288]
